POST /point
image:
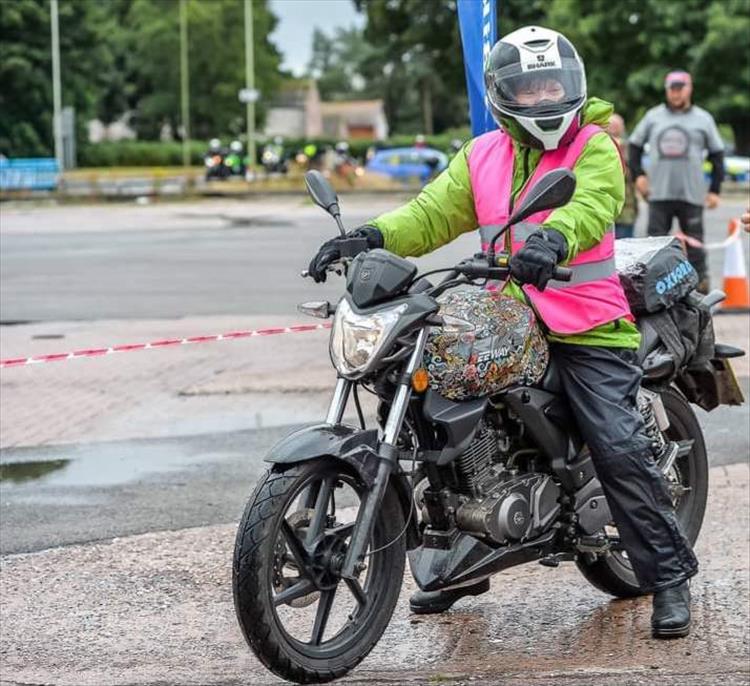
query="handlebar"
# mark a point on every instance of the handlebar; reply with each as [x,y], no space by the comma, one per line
[478,268]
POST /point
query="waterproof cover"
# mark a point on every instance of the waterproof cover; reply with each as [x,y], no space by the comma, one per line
[654,272]
[496,343]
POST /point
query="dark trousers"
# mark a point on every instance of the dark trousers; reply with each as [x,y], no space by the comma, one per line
[690,218]
[601,385]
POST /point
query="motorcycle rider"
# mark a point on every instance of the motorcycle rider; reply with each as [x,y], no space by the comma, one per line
[536,87]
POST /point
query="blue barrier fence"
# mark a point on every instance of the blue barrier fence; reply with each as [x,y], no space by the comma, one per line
[33,173]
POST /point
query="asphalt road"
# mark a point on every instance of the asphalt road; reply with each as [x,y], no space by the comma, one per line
[132,262]
[179,260]
[60,495]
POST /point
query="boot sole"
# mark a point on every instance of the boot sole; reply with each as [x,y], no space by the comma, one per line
[435,608]
[674,632]
[432,610]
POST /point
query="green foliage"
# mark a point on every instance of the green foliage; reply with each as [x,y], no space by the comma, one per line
[337,63]
[122,55]
[216,57]
[417,63]
[630,45]
[138,154]
[169,154]
[26,69]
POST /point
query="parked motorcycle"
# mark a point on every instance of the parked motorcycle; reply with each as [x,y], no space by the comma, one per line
[466,488]
[214,161]
[274,159]
[235,160]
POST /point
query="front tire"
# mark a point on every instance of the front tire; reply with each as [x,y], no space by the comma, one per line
[258,575]
[612,572]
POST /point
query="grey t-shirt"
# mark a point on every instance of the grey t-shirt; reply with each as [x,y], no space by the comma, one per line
[676,142]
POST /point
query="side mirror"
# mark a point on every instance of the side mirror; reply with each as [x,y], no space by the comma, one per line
[553,190]
[322,192]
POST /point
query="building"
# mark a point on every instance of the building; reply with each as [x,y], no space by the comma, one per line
[297,112]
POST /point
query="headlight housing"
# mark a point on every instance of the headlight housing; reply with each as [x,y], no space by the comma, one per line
[357,339]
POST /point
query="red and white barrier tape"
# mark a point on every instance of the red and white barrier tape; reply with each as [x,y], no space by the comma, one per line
[734,235]
[99,352]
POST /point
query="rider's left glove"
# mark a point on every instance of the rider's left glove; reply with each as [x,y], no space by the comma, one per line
[330,251]
[535,262]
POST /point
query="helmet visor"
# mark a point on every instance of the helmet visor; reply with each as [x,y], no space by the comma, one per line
[538,93]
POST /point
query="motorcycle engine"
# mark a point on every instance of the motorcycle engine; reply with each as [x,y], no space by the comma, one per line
[501,505]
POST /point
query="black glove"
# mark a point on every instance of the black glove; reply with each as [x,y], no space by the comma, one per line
[330,251]
[535,262]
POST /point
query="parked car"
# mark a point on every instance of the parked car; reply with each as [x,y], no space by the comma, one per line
[407,163]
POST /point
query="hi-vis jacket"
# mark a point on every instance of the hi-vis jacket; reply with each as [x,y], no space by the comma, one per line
[457,202]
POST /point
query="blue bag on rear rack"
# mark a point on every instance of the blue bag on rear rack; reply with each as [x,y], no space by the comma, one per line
[654,272]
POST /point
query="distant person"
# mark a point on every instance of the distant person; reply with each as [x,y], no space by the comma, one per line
[625,222]
[677,133]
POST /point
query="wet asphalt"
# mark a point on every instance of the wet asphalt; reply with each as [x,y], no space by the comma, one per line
[59,495]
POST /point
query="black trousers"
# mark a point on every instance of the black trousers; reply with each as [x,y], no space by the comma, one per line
[690,218]
[601,385]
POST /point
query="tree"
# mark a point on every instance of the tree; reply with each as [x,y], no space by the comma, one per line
[721,61]
[417,63]
[26,70]
[337,63]
[216,46]
[123,55]
[629,46]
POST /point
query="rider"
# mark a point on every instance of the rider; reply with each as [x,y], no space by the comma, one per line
[536,87]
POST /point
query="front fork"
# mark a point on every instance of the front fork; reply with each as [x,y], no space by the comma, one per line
[387,455]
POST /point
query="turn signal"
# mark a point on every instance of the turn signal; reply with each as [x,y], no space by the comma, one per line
[420,380]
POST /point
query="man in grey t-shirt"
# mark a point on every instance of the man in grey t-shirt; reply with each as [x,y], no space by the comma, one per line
[677,133]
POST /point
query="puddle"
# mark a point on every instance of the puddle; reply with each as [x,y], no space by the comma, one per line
[21,472]
[97,465]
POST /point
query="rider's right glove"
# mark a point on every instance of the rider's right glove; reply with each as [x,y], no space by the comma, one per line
[330,251]
[535,262]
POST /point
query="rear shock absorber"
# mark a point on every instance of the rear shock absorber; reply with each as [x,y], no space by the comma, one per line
[655,420]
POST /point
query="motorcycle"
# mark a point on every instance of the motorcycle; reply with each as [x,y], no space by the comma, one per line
[464,489]
[216,168]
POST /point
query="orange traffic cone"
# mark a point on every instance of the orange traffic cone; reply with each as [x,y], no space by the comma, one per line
[736,285]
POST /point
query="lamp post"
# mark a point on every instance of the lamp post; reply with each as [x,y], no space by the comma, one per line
[250,82]
[56,89]
[184,85]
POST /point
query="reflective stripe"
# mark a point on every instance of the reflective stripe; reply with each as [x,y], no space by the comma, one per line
[588,271]
[488,231]
[523,230]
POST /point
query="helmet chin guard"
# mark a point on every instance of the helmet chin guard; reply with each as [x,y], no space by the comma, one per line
[551,134]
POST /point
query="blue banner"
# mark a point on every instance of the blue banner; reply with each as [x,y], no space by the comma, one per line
[478,22]
[32,173]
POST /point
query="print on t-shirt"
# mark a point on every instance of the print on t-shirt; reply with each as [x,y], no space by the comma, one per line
[673,142]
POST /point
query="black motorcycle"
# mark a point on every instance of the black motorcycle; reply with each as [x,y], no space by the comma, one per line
[466,489]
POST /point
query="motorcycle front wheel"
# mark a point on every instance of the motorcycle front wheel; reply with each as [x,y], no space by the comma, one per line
[687,483]
[302,620]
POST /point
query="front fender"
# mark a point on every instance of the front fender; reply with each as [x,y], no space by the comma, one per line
[355,446]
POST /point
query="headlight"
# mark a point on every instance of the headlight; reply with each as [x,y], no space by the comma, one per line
[356,339]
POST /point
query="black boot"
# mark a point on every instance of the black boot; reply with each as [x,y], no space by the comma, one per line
[671,617]
[431,602]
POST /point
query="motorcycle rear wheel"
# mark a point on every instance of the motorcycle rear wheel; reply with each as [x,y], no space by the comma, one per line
[612,572]
[272,539]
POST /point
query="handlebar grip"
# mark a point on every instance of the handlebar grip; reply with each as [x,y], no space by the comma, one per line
[562,274]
